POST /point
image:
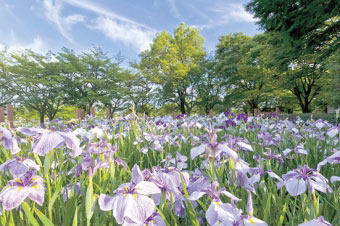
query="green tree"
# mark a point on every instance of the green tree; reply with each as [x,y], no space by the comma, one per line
[330,92]
[309,26]
[168,64]
[89,77]
[36,82]
[301,75]
[211,86]
[139,92]
[242,62]
[5,95]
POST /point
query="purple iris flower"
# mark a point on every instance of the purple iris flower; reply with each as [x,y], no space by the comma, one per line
[243,116]
[229,114]
[320,221]
[298,150]
[72,189]
[230,123]
[214,193]
[8,141]
[88,163]
[49,139]
[179,161]
[19,166]
[131,199]
[101,147]
[213,149]
[334,178]
[267,139]
[333,159]
[154,220]
[29,185]
[297,180]
[269,155]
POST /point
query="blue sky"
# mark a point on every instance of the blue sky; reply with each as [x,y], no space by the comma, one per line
[125,26]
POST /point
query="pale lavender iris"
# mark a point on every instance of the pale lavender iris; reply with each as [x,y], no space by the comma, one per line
[154,220]
[297,180]
[179,161]
[8,141]
[213,149]
[333,159]
[131,200]
[320,221]
[29,185]
[214,193]
[49,139]
[18,166]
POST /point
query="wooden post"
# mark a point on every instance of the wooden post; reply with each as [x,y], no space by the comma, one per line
[10,115]
[211,114]
[277,111]
[256,112]
[2,114]
[78,113]
[174,115]
[108,113]
[82,114]
[92,112]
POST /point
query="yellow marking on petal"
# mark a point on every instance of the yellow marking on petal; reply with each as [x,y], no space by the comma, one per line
[34,178]
[134,195]
[124,195]
[19,188]
[217,203]
[9,187]
[126,188]
[251,221]
[35,186]
[51,131]
[18,180]
[105,148]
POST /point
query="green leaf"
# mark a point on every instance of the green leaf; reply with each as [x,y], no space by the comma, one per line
[75,217]
[43,218]
[29,214]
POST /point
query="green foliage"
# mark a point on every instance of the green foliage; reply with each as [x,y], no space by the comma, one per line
[36,82]
[242,60]
[308,25]
[315,116]
[169,62]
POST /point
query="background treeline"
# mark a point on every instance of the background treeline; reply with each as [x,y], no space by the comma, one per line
[278,68]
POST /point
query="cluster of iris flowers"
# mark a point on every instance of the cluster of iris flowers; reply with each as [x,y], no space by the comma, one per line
[201,170]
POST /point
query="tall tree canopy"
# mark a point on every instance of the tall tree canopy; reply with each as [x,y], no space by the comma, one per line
[169,62]
[310,25]
[35,79]
[242,62]
[5,94]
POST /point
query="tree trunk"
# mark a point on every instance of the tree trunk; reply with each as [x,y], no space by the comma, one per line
[42,117]
[305,108]
[182,105]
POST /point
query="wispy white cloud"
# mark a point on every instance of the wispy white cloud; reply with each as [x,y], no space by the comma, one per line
[73,19]
[53,14]
[37,45]
[103,12]
[117,27]
[225,13]
[128,33]
[233,13]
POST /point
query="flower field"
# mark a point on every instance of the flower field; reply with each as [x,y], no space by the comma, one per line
[193,170]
